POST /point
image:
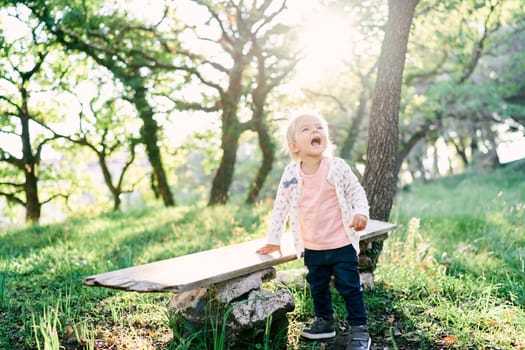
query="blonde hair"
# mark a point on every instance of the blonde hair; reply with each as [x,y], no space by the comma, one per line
[292,129]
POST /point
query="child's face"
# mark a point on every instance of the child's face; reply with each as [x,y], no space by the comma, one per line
[310,138]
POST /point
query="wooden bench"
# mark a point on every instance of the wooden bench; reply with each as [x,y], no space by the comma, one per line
[226,275]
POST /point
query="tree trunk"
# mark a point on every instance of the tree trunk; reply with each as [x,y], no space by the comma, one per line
[380,178]
[231,131]
[355,126]
[33,206]
[117,201]
[266,145]
[32,203]
[267,148]
[106,173]
[149,136]
[460,148]
[222,180]
[406,147]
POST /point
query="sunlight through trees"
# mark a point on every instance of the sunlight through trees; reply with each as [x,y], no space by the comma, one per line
[200,90]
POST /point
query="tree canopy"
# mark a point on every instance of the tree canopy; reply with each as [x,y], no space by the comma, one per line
[96,87]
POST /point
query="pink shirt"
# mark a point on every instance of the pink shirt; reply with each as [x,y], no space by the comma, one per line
[350,193]
[319,212]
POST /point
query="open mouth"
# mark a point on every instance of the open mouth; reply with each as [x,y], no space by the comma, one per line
[316,141]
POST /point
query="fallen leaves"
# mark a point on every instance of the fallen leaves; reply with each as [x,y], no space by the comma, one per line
[449,340]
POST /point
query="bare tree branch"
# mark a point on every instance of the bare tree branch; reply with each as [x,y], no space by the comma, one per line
[11,197]
[65,196]
[479,46]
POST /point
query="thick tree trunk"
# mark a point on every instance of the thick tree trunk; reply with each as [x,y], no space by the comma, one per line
[30,165]
[231,131]
[117,201]
[223,176]
[380,178]
[33,206]
[149,136]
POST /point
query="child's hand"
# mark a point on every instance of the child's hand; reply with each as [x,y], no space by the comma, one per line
[359,222]
[268,249]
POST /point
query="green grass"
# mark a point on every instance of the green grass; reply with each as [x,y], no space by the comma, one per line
[451,276]
[454,270]
[43,266]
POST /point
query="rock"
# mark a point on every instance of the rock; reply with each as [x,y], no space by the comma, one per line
[367,280]
[292,277]
[235,288]
[248,318]
[239,307]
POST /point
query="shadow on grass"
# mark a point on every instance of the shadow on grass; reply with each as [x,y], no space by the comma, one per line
[388,328]
[32,238]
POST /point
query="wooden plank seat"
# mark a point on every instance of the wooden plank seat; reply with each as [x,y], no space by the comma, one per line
[208,267]
[226,278]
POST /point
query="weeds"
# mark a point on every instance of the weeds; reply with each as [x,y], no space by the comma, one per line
[85,335]
[462,310]
[46,328]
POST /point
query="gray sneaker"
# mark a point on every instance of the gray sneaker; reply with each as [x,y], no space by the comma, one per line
[319,329]
[360,339]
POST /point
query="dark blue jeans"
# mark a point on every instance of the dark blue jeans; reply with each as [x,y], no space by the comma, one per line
[342,264]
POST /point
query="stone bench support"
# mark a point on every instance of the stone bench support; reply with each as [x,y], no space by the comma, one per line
[237,311]
[219,290]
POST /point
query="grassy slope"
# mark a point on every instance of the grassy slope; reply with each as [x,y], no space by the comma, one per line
[42,268]
[457,279]
[456,265]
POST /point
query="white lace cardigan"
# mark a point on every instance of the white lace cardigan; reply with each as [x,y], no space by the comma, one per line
[350,194]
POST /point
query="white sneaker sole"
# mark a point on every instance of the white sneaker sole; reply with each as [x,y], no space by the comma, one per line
[318,336]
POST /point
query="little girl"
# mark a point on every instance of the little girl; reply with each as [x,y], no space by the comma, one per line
[326,207]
